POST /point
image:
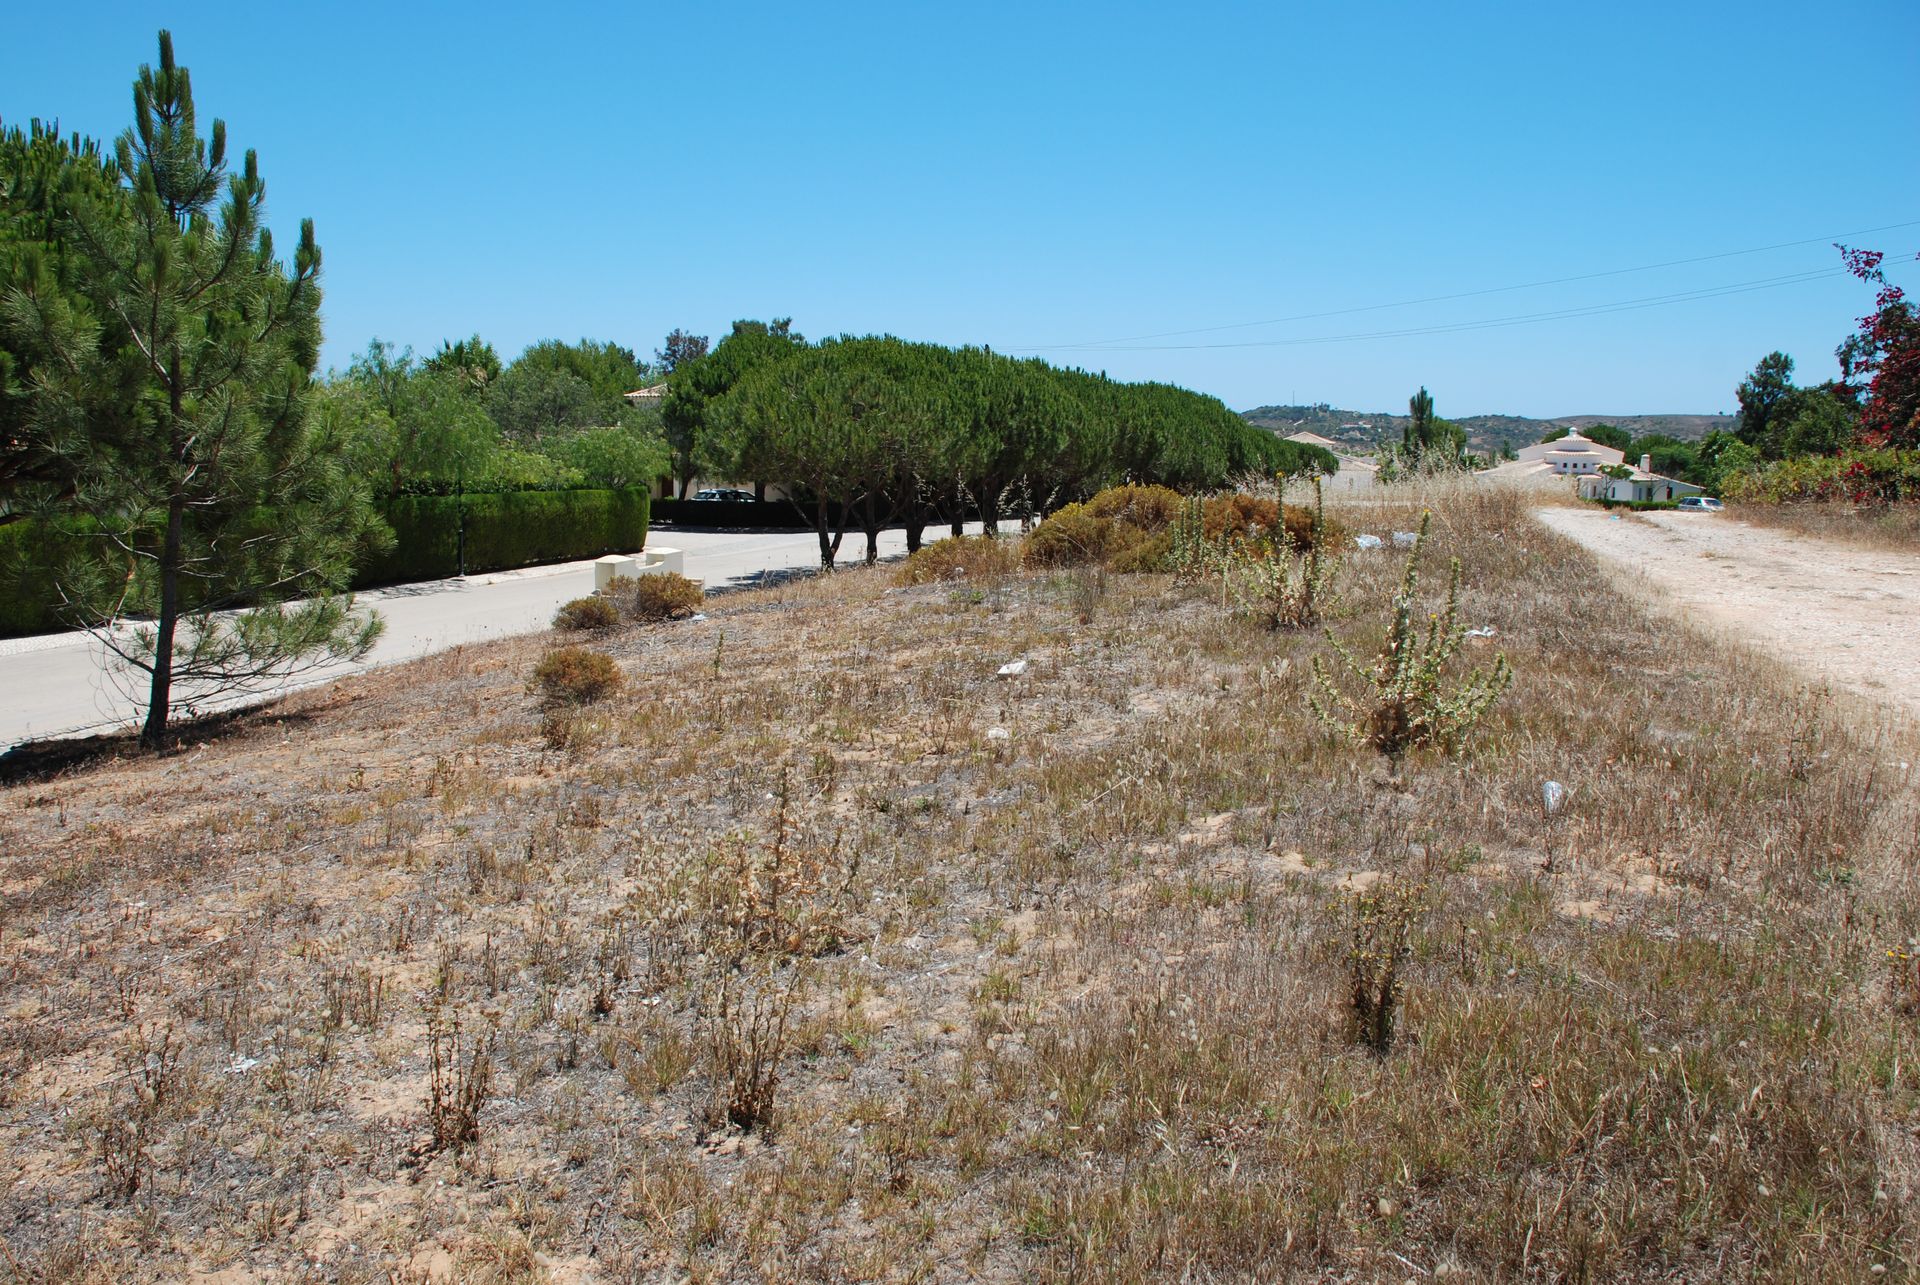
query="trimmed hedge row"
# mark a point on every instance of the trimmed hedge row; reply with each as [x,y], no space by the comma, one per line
[26,585]
[503,531]
[1636,506]
[506,530]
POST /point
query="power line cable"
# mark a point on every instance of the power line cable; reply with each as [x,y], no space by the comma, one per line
[1099,344]
[1491,323]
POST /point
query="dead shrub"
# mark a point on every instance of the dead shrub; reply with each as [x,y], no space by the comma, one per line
[151,1067]
[587,615]
[459,1082]
[1239,519]
[973,558]
[1379,925]
[576,676]
[662,595]
[746,1041]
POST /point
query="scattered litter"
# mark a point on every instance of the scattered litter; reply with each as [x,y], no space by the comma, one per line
[1485,631]
[1405,539]
[698,615]
[241,1065]
[1013,668]
[1552,795]
[999,734]
[1364,541]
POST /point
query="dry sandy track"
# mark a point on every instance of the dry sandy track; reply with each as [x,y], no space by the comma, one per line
[1845,614]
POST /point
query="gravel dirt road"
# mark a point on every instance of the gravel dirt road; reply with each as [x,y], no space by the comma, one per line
[1850,616]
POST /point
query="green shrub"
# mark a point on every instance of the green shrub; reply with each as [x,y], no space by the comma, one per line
[1069,537]
[1147,508]
[975,558]
[587,614]
[576,676]
[1153,554]
[661,595]
[1856,476]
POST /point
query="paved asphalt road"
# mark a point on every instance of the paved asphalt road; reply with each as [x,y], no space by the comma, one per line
[59,685]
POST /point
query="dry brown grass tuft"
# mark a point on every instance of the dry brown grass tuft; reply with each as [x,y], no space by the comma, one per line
[976,559]
[857,961]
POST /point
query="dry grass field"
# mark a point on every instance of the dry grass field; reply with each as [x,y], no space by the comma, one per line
[819,951]
[1895,526]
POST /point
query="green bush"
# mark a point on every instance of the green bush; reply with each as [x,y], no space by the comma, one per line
[586,614]
[1148,508]
[576,676]
[1152,554]
[1857,476]
[660,595]
[1070,537]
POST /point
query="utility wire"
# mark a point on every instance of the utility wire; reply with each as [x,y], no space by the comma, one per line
[1593,310]
[1106,344]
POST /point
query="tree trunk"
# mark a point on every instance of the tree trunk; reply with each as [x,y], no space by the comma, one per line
[828,546]
[760,492]
[870,525]
[916,528]
[990,510]
[160,693]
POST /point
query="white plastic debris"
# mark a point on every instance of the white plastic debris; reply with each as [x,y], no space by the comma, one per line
[999,734]
[241,1065]
[1405,539]
[698,615]
[1013,669]
[1364,541]
[1552,795]
[1485,631]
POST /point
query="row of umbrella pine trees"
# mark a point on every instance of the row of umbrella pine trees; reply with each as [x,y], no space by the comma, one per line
[869,432]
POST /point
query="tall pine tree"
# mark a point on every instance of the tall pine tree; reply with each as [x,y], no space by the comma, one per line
[172,389]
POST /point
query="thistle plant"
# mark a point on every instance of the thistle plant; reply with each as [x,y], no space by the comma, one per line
[1402,699]
[1287,588]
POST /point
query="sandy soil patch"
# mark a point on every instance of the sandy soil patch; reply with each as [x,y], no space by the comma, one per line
[1841,613]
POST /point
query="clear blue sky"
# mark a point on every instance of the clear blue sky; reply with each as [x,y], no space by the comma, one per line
[1038,175]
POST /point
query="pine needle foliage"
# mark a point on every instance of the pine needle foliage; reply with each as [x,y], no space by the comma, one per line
[1402,698]
[174,359]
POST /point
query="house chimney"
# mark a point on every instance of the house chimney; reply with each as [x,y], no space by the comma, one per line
[1646,463]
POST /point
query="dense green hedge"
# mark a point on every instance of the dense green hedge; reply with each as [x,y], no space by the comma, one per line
[1637,506]
[26,585]
[514,529]
[503,531]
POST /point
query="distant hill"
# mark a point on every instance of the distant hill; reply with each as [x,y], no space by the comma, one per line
[1362,431]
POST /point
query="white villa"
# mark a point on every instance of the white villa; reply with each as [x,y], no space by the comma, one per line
[1573,455]
[1588,462]
[1640,485]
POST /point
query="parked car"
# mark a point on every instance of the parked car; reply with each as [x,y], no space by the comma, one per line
[725,493]
[1699,504]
